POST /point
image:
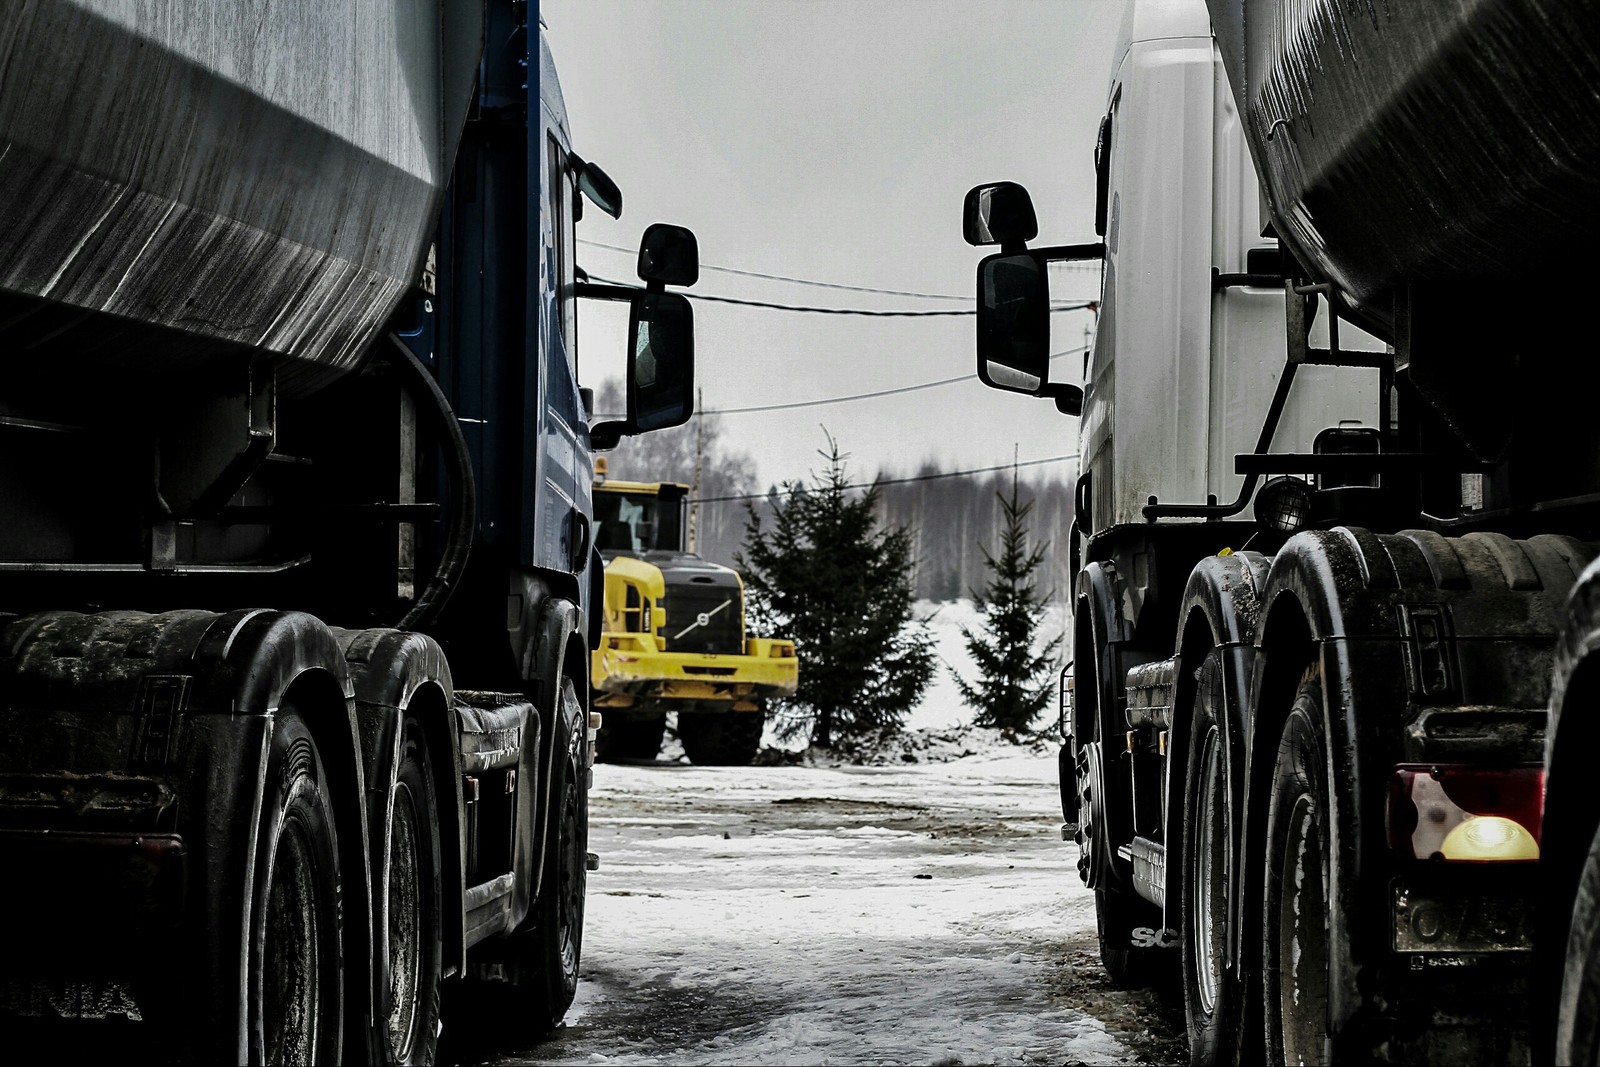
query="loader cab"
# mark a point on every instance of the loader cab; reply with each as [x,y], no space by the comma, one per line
[633,518]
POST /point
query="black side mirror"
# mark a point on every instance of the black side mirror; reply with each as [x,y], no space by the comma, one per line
[1014,323]
[1000,213]
[660,368]
[669,255]
[661,373]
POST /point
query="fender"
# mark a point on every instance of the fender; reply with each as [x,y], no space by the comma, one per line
[1570,814]
[395,672]
[559,620]
[246,664]
[1220,610]
[1382,616]
[1100,630]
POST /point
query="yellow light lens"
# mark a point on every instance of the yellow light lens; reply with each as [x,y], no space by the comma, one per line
[1489,837]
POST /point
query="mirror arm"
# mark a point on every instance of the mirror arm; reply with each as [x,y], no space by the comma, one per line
[604,436]
[1068,398]
[598,291]
[1064,253]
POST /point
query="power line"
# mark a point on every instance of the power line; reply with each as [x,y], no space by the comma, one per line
[796,281]
[865,396]
[1078,306]
[1074,265]
[896,481]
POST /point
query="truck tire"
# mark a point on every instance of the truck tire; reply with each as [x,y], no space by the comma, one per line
[630,737]
[413,966]
[295,996]
[1295,917]
[1129,927]
[557,935]
[721,738]
[1578,1010]
[1210,994]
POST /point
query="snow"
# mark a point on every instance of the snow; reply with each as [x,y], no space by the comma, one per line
[865,910]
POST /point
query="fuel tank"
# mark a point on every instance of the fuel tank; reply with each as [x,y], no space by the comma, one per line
[1442,143]
[185,182]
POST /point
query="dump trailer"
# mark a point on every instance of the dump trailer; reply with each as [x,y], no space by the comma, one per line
[297,576]
[1336,603]
[675,638]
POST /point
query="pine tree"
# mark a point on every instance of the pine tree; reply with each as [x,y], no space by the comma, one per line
[1015,680]
[828,577]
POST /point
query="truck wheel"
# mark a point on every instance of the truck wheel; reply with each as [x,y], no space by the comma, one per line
[1211,998]
[1578,1011]
[296,1001]
[1295,927]
[721,738]
[558,911]
[630,737]
[1129,927]
[413,967]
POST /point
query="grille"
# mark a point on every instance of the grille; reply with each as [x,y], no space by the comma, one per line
[723,630]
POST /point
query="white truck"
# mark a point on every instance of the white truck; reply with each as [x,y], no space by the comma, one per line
[1334,610]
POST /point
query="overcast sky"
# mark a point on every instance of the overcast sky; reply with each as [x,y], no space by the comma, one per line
[834,140]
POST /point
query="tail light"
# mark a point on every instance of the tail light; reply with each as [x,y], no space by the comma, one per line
[1466,813]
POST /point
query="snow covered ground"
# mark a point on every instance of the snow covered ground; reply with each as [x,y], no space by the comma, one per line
[910,905]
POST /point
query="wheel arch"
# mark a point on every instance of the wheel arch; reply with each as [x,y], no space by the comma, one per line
[1329,604]
[396,673]
[1220,611]
[262,663]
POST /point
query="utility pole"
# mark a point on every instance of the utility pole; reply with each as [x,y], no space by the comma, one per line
[699,457]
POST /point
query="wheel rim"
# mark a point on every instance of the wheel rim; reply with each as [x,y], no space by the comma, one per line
[1208,914]
[405,928]
[291,971]
[1091,820]
[1302,940]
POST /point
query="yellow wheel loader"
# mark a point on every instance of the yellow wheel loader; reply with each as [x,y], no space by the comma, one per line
[674,637]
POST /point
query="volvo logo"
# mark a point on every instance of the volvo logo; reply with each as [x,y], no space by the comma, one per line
[702,619]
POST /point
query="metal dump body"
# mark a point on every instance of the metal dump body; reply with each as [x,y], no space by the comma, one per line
[1430,142]
[182,180]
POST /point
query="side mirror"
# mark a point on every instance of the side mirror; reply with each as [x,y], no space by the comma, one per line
[595,184]
[661,375]
[660,369]
[1014,323]
[1000,213]
[669,255]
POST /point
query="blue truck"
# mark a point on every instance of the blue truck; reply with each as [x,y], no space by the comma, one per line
[298,583]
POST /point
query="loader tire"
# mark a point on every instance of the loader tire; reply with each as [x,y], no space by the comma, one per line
[721,738]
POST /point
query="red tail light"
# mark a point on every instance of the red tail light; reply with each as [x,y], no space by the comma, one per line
[1466,813]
